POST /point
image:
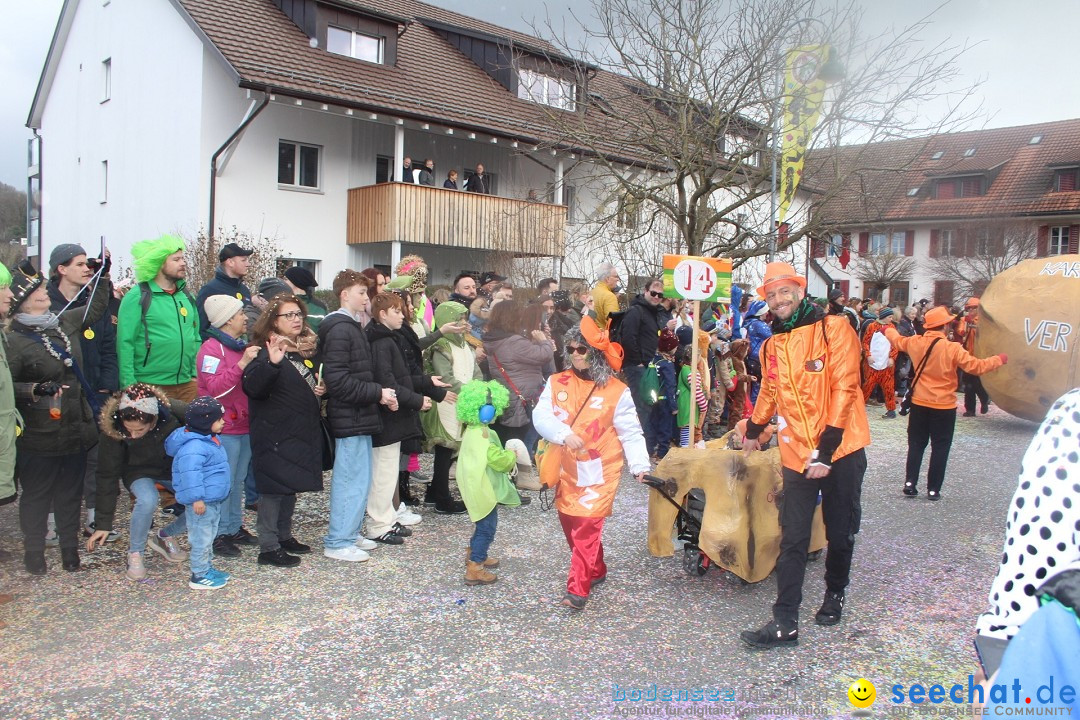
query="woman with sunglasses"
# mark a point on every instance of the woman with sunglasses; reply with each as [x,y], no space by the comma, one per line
[285,405]
[588,417]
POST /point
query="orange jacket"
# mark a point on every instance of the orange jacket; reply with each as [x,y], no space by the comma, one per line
[810,378]
[936,387]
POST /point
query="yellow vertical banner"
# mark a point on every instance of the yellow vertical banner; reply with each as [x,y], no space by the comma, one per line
[803,94]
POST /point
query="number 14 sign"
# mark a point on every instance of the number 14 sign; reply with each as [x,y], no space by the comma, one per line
[697,278]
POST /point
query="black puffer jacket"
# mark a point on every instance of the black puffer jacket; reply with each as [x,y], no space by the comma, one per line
[352,405]
[120,457]
[388,353]
[640,332]
[286,436]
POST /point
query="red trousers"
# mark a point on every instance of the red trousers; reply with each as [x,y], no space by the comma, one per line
[587,552]
[887,380]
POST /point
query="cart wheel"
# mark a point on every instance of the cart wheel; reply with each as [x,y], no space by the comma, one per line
[813,556]
[702,565]
[691,559]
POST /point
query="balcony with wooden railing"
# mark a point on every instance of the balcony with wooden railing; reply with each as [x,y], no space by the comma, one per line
[404,212]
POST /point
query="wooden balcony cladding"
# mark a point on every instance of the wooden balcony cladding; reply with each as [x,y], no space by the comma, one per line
[410,213]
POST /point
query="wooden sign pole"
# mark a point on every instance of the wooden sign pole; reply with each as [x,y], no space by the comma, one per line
[695,376]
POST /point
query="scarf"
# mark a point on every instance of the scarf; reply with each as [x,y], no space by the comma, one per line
[39,323]
[226,340]
[805,310]
[304,345]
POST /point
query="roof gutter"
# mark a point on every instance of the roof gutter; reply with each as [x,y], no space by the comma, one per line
[225,146]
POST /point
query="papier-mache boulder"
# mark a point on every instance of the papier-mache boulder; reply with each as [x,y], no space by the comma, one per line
[741,524]
[1031,312]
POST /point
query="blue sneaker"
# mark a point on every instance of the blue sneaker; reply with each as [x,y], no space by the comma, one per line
[221,574]
[206,582]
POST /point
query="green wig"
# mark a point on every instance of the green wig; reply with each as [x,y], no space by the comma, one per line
[5,277]
[150,255]
[474,395]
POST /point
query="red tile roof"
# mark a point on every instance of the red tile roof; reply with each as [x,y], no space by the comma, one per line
[1020,175]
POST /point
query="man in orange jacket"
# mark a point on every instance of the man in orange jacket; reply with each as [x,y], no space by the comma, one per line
[933,401]
[973,386]
[810,380]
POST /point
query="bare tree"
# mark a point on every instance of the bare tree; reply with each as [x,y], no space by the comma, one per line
[12,213]
[880,271]
[202,256]
[678,100]
[976,252]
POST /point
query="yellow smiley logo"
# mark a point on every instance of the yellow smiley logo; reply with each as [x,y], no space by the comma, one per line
[862,693]
[88,334]
[239,296]
[183,311]
[309,363]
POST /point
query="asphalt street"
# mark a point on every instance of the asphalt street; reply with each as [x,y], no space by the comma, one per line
[402,637]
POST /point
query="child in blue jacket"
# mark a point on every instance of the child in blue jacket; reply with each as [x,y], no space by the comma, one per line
[666,408]
[201,482]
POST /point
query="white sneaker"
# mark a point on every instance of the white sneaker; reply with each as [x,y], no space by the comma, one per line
[348,554]
[364,544]
[406,517]
[136,570]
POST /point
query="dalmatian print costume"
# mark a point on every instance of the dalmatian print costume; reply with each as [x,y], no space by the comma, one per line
[1042,534]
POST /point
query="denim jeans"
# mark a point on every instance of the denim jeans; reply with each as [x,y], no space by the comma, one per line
[349,489]
[142,513]
[238,448]
[202,529]
[178,525]
[483,536]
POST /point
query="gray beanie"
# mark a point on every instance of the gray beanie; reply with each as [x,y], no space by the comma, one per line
[64,253]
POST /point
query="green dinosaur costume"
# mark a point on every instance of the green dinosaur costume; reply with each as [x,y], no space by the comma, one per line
[454,360]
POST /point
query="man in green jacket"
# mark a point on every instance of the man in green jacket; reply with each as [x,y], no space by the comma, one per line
[157,334]
[9,416]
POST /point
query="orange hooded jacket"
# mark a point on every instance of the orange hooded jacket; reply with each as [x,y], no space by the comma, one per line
[810,379]
[936,387]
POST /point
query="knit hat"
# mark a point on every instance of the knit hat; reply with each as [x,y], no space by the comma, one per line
[64,253]
[24,280]
[271,287]
[202,413]
[301,278]
[139,397]
[885,312]
[667,342]
[221,308]
[149,255]
[835,294]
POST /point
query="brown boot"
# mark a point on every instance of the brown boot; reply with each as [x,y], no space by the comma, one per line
[475,574]
[489,564]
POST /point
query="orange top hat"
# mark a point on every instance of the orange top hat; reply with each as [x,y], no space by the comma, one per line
[778,271]
[936,317]
[601,340]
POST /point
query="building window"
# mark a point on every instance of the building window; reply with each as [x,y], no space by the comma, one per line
[958,188]
[741,148]
[1065,180]
[106,79]
[944,292]
[298,165]
[1059,241]
[105,186]
[283,264]
[982,242]
[628,215]
[947,246]
[897,243]
[898,294]
[355,45]
[835,245]
[938,155]
[879,244]
[569,196]
[547,90]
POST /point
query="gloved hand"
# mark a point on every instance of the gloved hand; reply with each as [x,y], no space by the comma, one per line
[1004,358]
[47,389]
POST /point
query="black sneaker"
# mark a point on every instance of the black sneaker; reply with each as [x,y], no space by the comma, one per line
[223,546]
[296,548]
[831,609]
[910,489]
[574,602]
[174,510]
[934,495]
[389,538]
[525,499]
[401,531]
[243,537]
[35,562]
[984,409]
[278,558]
[450,507]
[253,507]
[969,414]
[890,415]
[771,635]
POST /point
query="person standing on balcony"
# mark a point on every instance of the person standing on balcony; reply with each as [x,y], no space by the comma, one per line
[450,183]
[427,173]
[603,293]
[478,182]
[228,280]
[407,175]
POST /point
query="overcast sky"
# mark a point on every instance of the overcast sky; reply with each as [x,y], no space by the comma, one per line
[1022,52]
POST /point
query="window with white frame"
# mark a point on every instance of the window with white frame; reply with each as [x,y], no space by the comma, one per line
[898,241]
[106,79]
[1059,241]
[879,244]
[298,165]
[354,44]
[836,245]
[547,90]
[947,246]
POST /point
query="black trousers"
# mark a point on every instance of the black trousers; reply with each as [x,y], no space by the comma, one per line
[973,388]
[936,427]
[54,483]
[274,520]
[439,489]
[841,506]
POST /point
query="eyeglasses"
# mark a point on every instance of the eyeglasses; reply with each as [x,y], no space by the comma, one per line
[294,315]
[656,294]
[579,349]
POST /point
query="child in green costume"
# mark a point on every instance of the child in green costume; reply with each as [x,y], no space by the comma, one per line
[482,477]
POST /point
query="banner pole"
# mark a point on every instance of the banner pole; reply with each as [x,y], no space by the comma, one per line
[695,376]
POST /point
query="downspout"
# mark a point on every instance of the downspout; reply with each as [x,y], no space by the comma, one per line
[225,146]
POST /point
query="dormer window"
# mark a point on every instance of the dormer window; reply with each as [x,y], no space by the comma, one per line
[354,44]
[963,187]
[1035,140]
[913,192]
[1065,180]
[938,155]
[547,90]
[970,152]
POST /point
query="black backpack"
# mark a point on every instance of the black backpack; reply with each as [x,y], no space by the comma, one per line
[146,296]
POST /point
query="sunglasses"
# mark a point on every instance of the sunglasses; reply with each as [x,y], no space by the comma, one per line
[579,349]
[656,294]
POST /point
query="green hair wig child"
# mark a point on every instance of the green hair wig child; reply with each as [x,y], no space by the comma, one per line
[474,395]
[150,255]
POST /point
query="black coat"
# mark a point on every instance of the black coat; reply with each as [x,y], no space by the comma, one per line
[352,405]
[221,284]
[388,354]
[99,363]
[640,332]
[286,432]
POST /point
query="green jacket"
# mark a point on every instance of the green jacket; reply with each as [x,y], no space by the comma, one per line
[173,325]
[482,477]
[439,361]
[9,421]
